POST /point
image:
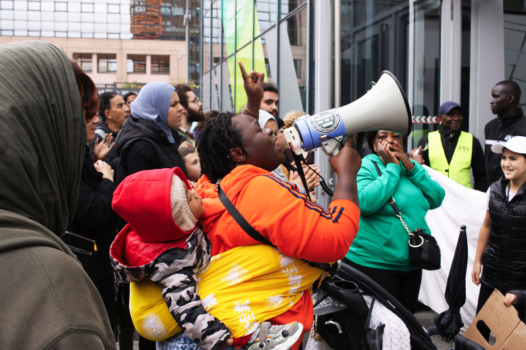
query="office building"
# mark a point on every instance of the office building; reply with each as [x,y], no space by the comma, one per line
[117,42]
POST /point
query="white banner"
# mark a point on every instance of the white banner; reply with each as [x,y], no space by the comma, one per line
[461,206]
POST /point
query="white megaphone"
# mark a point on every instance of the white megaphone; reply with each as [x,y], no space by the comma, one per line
[384,107]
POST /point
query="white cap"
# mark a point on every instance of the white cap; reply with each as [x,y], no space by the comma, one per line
[516,144]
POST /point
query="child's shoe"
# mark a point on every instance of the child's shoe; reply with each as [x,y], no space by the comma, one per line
[275,337]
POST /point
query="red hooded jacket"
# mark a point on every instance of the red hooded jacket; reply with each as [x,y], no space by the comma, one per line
[143,201]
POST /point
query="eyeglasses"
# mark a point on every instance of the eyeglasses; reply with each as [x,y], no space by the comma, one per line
[196,100]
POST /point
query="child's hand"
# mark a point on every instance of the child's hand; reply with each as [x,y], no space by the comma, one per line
[510,299]
[228,342]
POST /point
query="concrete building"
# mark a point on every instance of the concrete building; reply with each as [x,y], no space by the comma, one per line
[117,42]
[123,61]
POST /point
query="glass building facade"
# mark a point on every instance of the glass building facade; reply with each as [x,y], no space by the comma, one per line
[108,19]
[325,53]
[270,36]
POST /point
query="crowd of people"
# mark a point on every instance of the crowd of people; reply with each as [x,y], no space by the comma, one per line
[113,206]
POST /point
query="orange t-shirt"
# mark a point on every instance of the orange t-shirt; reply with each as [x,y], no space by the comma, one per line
[279,212]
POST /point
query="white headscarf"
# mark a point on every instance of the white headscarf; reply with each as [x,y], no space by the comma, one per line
[264,117]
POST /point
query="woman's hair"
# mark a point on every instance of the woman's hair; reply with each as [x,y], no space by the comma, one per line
[291,117]
[89,96]
[371,135]
[184,151]
[215,141]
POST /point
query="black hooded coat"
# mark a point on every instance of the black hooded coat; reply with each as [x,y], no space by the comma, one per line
[95,220]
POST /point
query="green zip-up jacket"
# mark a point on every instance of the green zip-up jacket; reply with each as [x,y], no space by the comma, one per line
[382,241]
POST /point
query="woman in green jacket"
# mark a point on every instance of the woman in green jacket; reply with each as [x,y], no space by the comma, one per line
[381,248]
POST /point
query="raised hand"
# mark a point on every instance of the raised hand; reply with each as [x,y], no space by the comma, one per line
[418,157]
[253,83]
[101,150]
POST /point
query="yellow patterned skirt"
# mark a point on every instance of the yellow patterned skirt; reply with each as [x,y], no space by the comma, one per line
[241,287]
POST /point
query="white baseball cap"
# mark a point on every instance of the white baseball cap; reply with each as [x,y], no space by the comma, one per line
[516,144]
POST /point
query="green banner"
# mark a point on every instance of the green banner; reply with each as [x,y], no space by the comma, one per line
[233,40]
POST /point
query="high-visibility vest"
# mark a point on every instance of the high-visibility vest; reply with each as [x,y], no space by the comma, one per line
[459,169]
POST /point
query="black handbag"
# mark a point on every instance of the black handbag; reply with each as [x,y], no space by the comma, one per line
[424,251]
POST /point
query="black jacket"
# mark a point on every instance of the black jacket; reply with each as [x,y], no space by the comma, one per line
[103,129]
[94,219]
[449,143]
[501,129]
[504,258]
[142,145]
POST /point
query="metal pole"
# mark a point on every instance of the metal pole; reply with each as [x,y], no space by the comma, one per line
[310,53]
[277,43]
[211,55]
[202,45]
[187,19]
[337,53]
[221,62]
[253,29]
[235,56]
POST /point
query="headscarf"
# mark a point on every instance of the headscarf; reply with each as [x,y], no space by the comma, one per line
[42,142]
[264,117]
[153,103]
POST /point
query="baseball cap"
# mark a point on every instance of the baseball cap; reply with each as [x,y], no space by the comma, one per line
[516,144]
[447,107]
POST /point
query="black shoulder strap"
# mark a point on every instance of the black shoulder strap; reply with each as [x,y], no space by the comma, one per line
[297,161]
[240,219]
[391,199]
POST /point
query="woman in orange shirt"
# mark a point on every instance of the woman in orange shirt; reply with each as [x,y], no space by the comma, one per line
[235,151]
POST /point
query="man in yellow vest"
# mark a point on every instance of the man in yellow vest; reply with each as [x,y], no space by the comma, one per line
[453,152]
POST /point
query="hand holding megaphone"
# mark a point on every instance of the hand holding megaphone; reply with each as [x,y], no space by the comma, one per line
[347,161]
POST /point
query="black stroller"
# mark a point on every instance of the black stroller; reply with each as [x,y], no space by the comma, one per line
[346,329]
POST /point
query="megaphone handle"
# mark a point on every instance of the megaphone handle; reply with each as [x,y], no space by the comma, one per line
[331,147]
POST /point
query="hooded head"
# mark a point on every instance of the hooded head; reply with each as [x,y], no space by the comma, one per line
[153,103]
[144,201]
[43,134]
[264,118]
[181,212]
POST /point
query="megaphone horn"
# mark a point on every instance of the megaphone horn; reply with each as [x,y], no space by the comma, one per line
[384,107]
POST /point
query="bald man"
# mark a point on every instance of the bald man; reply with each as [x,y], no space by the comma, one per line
[510,122]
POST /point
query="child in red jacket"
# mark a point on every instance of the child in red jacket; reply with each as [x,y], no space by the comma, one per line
[163,243]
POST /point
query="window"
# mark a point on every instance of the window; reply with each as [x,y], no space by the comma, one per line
[84,60]
[87,7]
[136,64]
[160,64]
[61,7]
[33,6]
[6,5]
[107,63]
[166,10]
[297,67]
[114,9]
